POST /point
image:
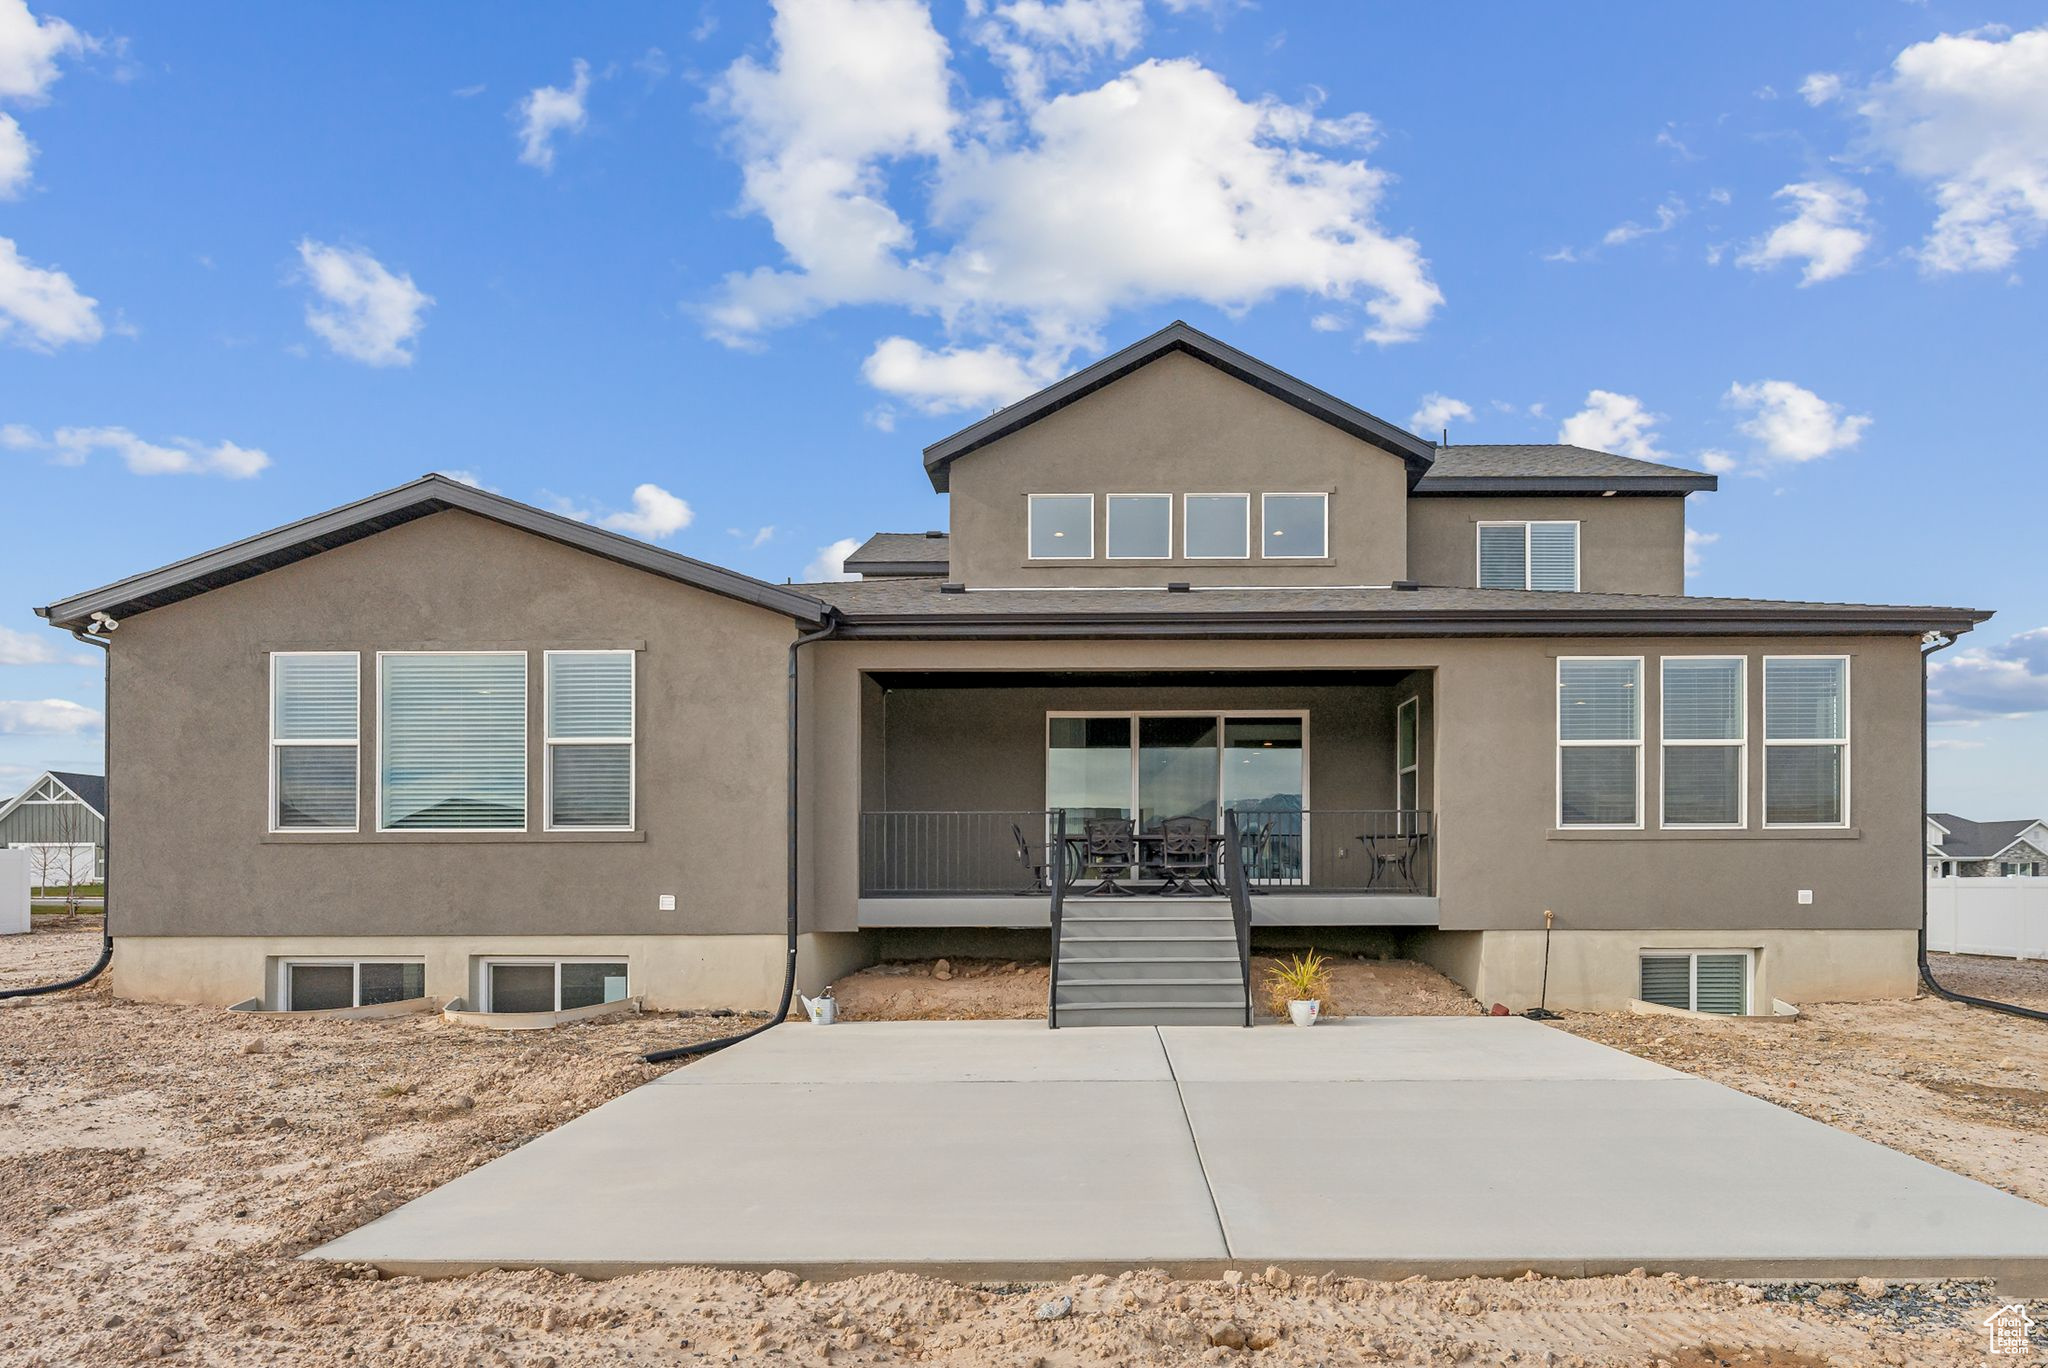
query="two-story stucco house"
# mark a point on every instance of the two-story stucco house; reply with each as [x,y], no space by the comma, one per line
[440,743]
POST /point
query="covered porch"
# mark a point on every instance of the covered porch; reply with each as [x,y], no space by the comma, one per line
[966,776]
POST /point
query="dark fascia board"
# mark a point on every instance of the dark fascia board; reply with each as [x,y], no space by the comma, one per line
[1467,485]
[1612,622]
[882,569]
[431,494]
[1178,336]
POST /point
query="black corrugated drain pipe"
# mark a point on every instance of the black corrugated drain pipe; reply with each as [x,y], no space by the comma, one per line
[1929,644]
[789,961]
[107,873]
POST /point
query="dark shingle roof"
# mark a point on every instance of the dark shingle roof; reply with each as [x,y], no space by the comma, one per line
[901,553]
[91,787]
[1552,468]
[878,607]
[1968,840]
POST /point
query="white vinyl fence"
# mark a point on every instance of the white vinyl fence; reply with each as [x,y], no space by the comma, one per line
[1991,916]
[13,892]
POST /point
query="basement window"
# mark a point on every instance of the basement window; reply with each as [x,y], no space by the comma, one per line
[551,985]
[325,984]
[1714,981]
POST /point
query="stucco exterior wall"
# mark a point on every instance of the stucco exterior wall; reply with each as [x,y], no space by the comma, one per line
[1179,426]
[1627,544]
[189,720]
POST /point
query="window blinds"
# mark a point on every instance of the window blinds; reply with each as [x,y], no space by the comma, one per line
[453,742]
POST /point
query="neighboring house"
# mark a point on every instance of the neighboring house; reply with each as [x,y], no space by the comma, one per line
[445,739]
[62,819]
[1960,848]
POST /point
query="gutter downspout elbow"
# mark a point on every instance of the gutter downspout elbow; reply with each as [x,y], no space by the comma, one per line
[829,627]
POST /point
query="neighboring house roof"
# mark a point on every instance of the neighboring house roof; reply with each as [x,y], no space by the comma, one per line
[90,789]
[1524,468]
[913,607]
[394,507]
[1179,337]
[1968,840]
[902,553]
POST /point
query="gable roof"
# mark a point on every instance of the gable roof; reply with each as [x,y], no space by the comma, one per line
[902,553]
[1179,337]
[430,494]
[90,789]
[1968,840]
[1529,468]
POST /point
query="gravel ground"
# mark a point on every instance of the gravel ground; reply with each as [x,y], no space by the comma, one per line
[161,1167]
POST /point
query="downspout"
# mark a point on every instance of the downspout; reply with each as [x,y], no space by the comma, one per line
[1932,642]
[781,1013]
[106,840]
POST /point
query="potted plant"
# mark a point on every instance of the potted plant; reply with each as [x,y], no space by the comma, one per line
[1302,983]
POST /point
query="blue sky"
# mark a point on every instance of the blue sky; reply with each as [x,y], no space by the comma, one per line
[713,273]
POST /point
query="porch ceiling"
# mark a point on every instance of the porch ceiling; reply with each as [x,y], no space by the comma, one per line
[1011,679]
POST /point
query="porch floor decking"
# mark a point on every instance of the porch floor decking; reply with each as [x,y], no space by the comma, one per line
[1373,1146]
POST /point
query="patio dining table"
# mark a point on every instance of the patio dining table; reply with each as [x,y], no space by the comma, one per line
[1077,856]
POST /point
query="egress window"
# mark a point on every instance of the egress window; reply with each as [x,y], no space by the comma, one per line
[540,985]
[313,738]
[325,984]
[452,741]
[1529,555]
[590,740]
[1061,526]
[1697,980]
[1806,740]
[1599,741]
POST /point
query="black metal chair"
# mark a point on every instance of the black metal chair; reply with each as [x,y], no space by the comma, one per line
[1036,858]
[1185,854]
[1112,846]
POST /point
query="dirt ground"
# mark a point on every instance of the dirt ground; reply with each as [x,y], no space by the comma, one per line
[160,1167]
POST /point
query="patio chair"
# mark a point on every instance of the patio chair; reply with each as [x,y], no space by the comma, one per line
[1185,854]
[1112,846]
[1035,858]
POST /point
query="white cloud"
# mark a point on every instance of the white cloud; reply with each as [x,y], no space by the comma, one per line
[1043,217]
[181,456]
[1613,422]
[1327,323]
[29,49]
[756,539]
[1826,231]
[1819,87]
[1968,115]
[953,378]
[1717,462]
[16,154]
[1792,423]
[830,564]
[470,478]
[1436,413]
[46,717]
[655,514]
[370,315]
[19,437]
[25,648]
[1695,542]
[1976,682]
[40,308]
[550,110]
[1668,214]
[1035,40]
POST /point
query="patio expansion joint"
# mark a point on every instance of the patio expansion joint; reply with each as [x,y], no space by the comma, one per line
[1195,1143]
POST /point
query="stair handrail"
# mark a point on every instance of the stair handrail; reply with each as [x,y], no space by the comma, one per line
[1056,862]
[1236,882]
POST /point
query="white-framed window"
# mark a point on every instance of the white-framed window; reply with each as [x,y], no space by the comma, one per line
[1600,741]
[1060,526]
[1407,758]
[1216,526]
[1806,741]
[1140,527]
[1715,981]
[1529,555]
[525,984]
[2021,869]
[315,716]
[591,767]
[314,985]
[1294,526]
[1704,737]
[451,741]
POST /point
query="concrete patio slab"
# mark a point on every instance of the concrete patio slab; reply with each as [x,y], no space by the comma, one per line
[1442,1146]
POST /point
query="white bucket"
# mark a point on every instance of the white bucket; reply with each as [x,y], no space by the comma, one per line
[1304,1013]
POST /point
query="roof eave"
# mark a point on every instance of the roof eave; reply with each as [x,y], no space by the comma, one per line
[1454,485]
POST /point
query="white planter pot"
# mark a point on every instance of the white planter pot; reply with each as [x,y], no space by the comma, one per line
[1304,1013]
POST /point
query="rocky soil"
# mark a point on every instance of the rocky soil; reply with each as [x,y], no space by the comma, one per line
[161,1167]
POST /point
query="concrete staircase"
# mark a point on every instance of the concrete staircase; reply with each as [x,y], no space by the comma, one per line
[1148,961]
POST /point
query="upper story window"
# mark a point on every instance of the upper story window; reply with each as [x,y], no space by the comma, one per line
[1140,526]
[590,740]
[1062,526]
[1219,527]
[1295,526]
[452,741]
[1529,555]
[1806,740]
[1599,741]
[313,736]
